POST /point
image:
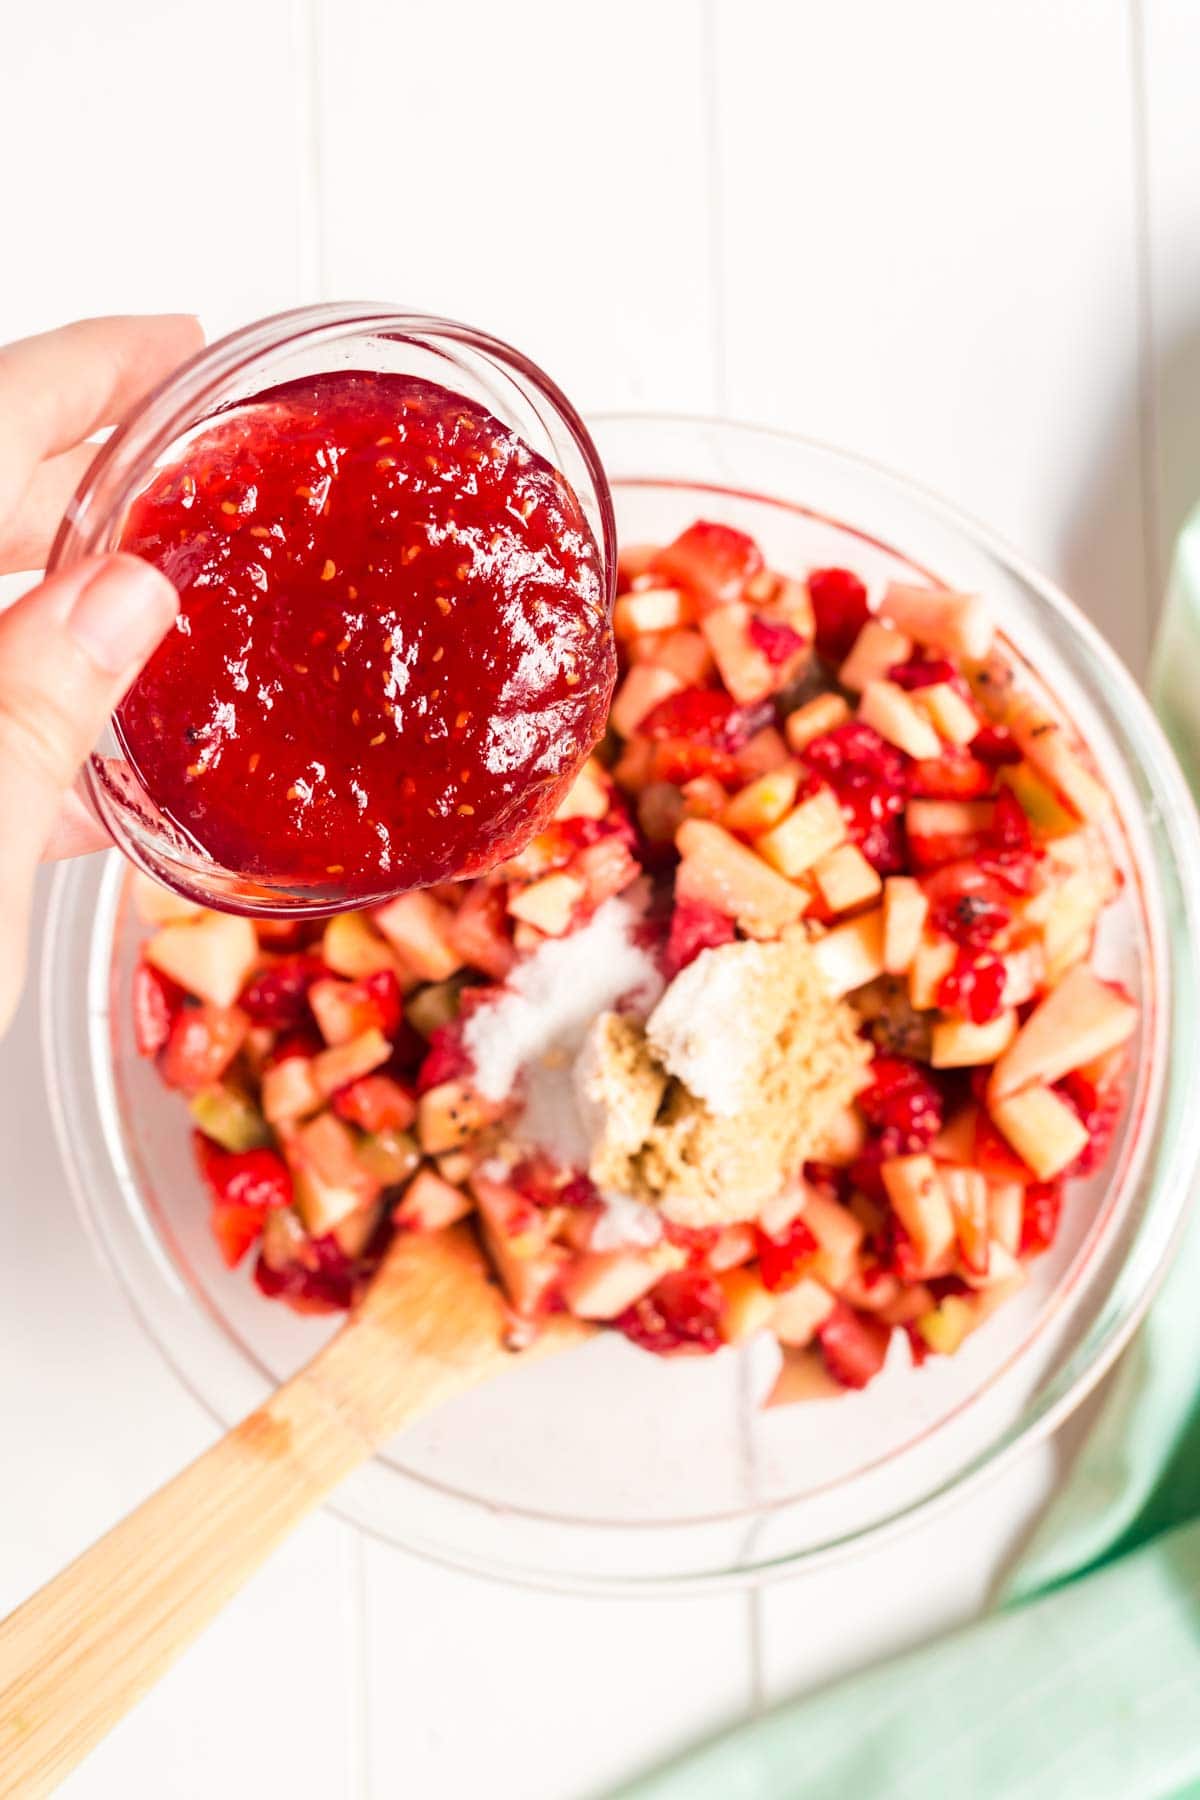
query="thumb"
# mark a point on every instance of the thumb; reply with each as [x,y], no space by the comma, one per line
[68,651]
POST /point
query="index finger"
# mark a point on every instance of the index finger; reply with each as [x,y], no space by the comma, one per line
[58,387]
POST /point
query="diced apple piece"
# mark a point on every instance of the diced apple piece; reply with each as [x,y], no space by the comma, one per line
[478,933]
[1044,743]
[955,1142]
[807,834]
[350,947]
[802,1376]
[1043,1130]
[843,1136]
[800,1311]
[1003,1276]
[1006,1210]
[634,768]
[875,650]
[642,689]
[329,1181]
[354,1232]
[455,1166]
[920,1203]
[342,1063]
[549,903]
[430,1204]
[600,1284]
[1024,973]
[449,1114]
[967,1193]
[289,1090]
[846,878]
[722,873]
[958,623]
[650,609]
[1048,816]
[748,1305]
[948,820]
[419,927]
[635,563]
[588,796]
[961,1044]
[954,718]
[685,653]
[1079,1019]
[905,909]
[897,717]
[839,1236]
[933,962]
[747,672]
[762,803]
[763,751]
[703,797]
[210,955]
[953,1318]
[517,1238]
[342,1010]
[735,1244]
[158,905]
[851,954]
[814,719]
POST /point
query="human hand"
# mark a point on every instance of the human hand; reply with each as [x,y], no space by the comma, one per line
[71,646]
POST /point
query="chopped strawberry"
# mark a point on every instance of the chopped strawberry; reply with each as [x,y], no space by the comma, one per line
[703,716]
[695,927]
[967,904]
[235,1228]
[697,1240]
[923,672]
[296,1043]
[257,1178]
[854,1345]
[278,996]
[840,607]
[1039,1221]
[713,561]
[156,1002]
[387,998]
[376,1103]
[903,1102]
[204,1041]
[326,1282]
[782,1260]
[954,775]
[1010,829]
[995,744]
[681,1314]
[870,779]
[993,1155]
[777,641]
[974,987]
[447,1058]
[1100,1110]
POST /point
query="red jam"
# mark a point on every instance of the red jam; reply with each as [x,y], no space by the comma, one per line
[394,647]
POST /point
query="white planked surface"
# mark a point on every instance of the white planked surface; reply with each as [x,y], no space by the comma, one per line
[961,239]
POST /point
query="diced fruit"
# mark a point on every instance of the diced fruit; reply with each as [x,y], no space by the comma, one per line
[802,1377]
[156,1002]
[600,1284]
[1042,1206]
[800,1311]
[376,1103]
[807,834]
[967,1193]
[230,1118]
[904,912]
[517,1235]
[845,878]
[1045,744]
[645,686]
[549,903]
[942,831]
[852,954]
[158,905]
[954,718]
[897,719]
[1044,1131]
[420,929]
[389,1156]
[714,562]
[854,1345]
[1006,1207]
[1024,974]
[840,610]
[1083,1017]
[839,1238]
[449,1114]
[748,1306]
[784,1254]
[955,1142]
[919,1200]
[762,803]
[277,996]
[329,1180]
[204,1041]
[877,649]
[605,868]
[343,1009]
[649,609]
[589,795]
[746,657]
[870,780]
[902,1103]
[289,1090]
[934,960]
[694,927]
[431,1204]
[814,719]
[719,872]
[682,1314]
[733,1245]
[953,775]
[350,947]
[685,653]
[210,956]
[1037,801]
[960,1044]
[960,624]
[944,1329]
[244,1188]
[343,1063]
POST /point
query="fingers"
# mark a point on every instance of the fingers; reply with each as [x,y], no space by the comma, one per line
[75,832]
[25,542]
[68,651]
[58,388]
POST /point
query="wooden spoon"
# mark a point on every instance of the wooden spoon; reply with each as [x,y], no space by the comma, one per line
[78,1654]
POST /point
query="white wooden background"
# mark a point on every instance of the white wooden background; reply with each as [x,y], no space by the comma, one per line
[962,236]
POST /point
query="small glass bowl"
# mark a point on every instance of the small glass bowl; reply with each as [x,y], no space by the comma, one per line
[311,340]
[608,1469]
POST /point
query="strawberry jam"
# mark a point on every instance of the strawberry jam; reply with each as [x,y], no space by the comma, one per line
[393,650]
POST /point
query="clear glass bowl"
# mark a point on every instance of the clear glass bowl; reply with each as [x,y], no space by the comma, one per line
[311,340]
[607,1469]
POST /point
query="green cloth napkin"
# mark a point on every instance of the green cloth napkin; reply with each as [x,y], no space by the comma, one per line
[1084,1683]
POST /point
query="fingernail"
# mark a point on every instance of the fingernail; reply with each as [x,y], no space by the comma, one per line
[122,613]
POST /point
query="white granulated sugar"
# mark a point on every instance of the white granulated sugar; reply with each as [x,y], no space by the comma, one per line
[552,997]
[703,1029]
[625,1221]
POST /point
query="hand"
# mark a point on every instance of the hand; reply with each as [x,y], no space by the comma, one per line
[70,647]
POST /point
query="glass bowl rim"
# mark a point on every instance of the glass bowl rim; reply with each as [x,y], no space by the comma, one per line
[1147,1256]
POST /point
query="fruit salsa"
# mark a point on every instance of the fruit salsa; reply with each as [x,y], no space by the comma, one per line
[786,1022]
[393,650]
